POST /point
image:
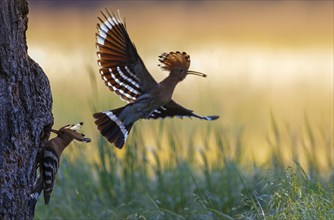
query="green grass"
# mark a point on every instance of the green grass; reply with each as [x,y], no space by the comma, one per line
[188,182]
[174,169]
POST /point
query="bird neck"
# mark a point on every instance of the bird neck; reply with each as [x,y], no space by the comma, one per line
[169,83]
[64,140]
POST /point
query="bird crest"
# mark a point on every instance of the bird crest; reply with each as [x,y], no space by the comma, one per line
[174,59]
[71,131]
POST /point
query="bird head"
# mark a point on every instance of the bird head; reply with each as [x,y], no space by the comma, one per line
[177,64]
[70,131]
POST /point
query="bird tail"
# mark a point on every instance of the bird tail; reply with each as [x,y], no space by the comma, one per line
[111,127]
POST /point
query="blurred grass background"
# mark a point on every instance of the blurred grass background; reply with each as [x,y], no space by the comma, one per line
[270,78]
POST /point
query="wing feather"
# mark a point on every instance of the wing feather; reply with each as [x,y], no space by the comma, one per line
[121,67]
[172,109]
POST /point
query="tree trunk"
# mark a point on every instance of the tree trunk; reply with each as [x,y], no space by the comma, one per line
[25,112]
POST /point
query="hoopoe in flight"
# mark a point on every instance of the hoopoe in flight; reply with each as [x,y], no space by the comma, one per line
[49,159]
[124,72]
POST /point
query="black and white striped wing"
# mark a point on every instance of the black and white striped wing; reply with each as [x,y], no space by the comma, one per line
[172,109]
[122,69]
[50,167]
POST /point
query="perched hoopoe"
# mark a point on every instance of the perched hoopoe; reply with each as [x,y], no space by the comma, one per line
[49,158]
[124,72]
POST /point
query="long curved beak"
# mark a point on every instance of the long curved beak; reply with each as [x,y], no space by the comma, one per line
[196,73]
[54,131]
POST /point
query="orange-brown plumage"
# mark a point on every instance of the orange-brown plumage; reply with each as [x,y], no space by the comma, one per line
[49,159]
[124,73]
[174,59]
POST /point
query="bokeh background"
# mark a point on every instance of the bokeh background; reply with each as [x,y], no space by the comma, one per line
[266,62]
[270,78]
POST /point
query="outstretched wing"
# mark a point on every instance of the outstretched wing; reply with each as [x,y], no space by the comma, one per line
[172,109]
[122,69]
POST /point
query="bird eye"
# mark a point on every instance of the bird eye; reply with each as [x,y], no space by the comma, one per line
[181,71]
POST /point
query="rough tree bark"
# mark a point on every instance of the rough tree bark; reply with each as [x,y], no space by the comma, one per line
[25,112]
